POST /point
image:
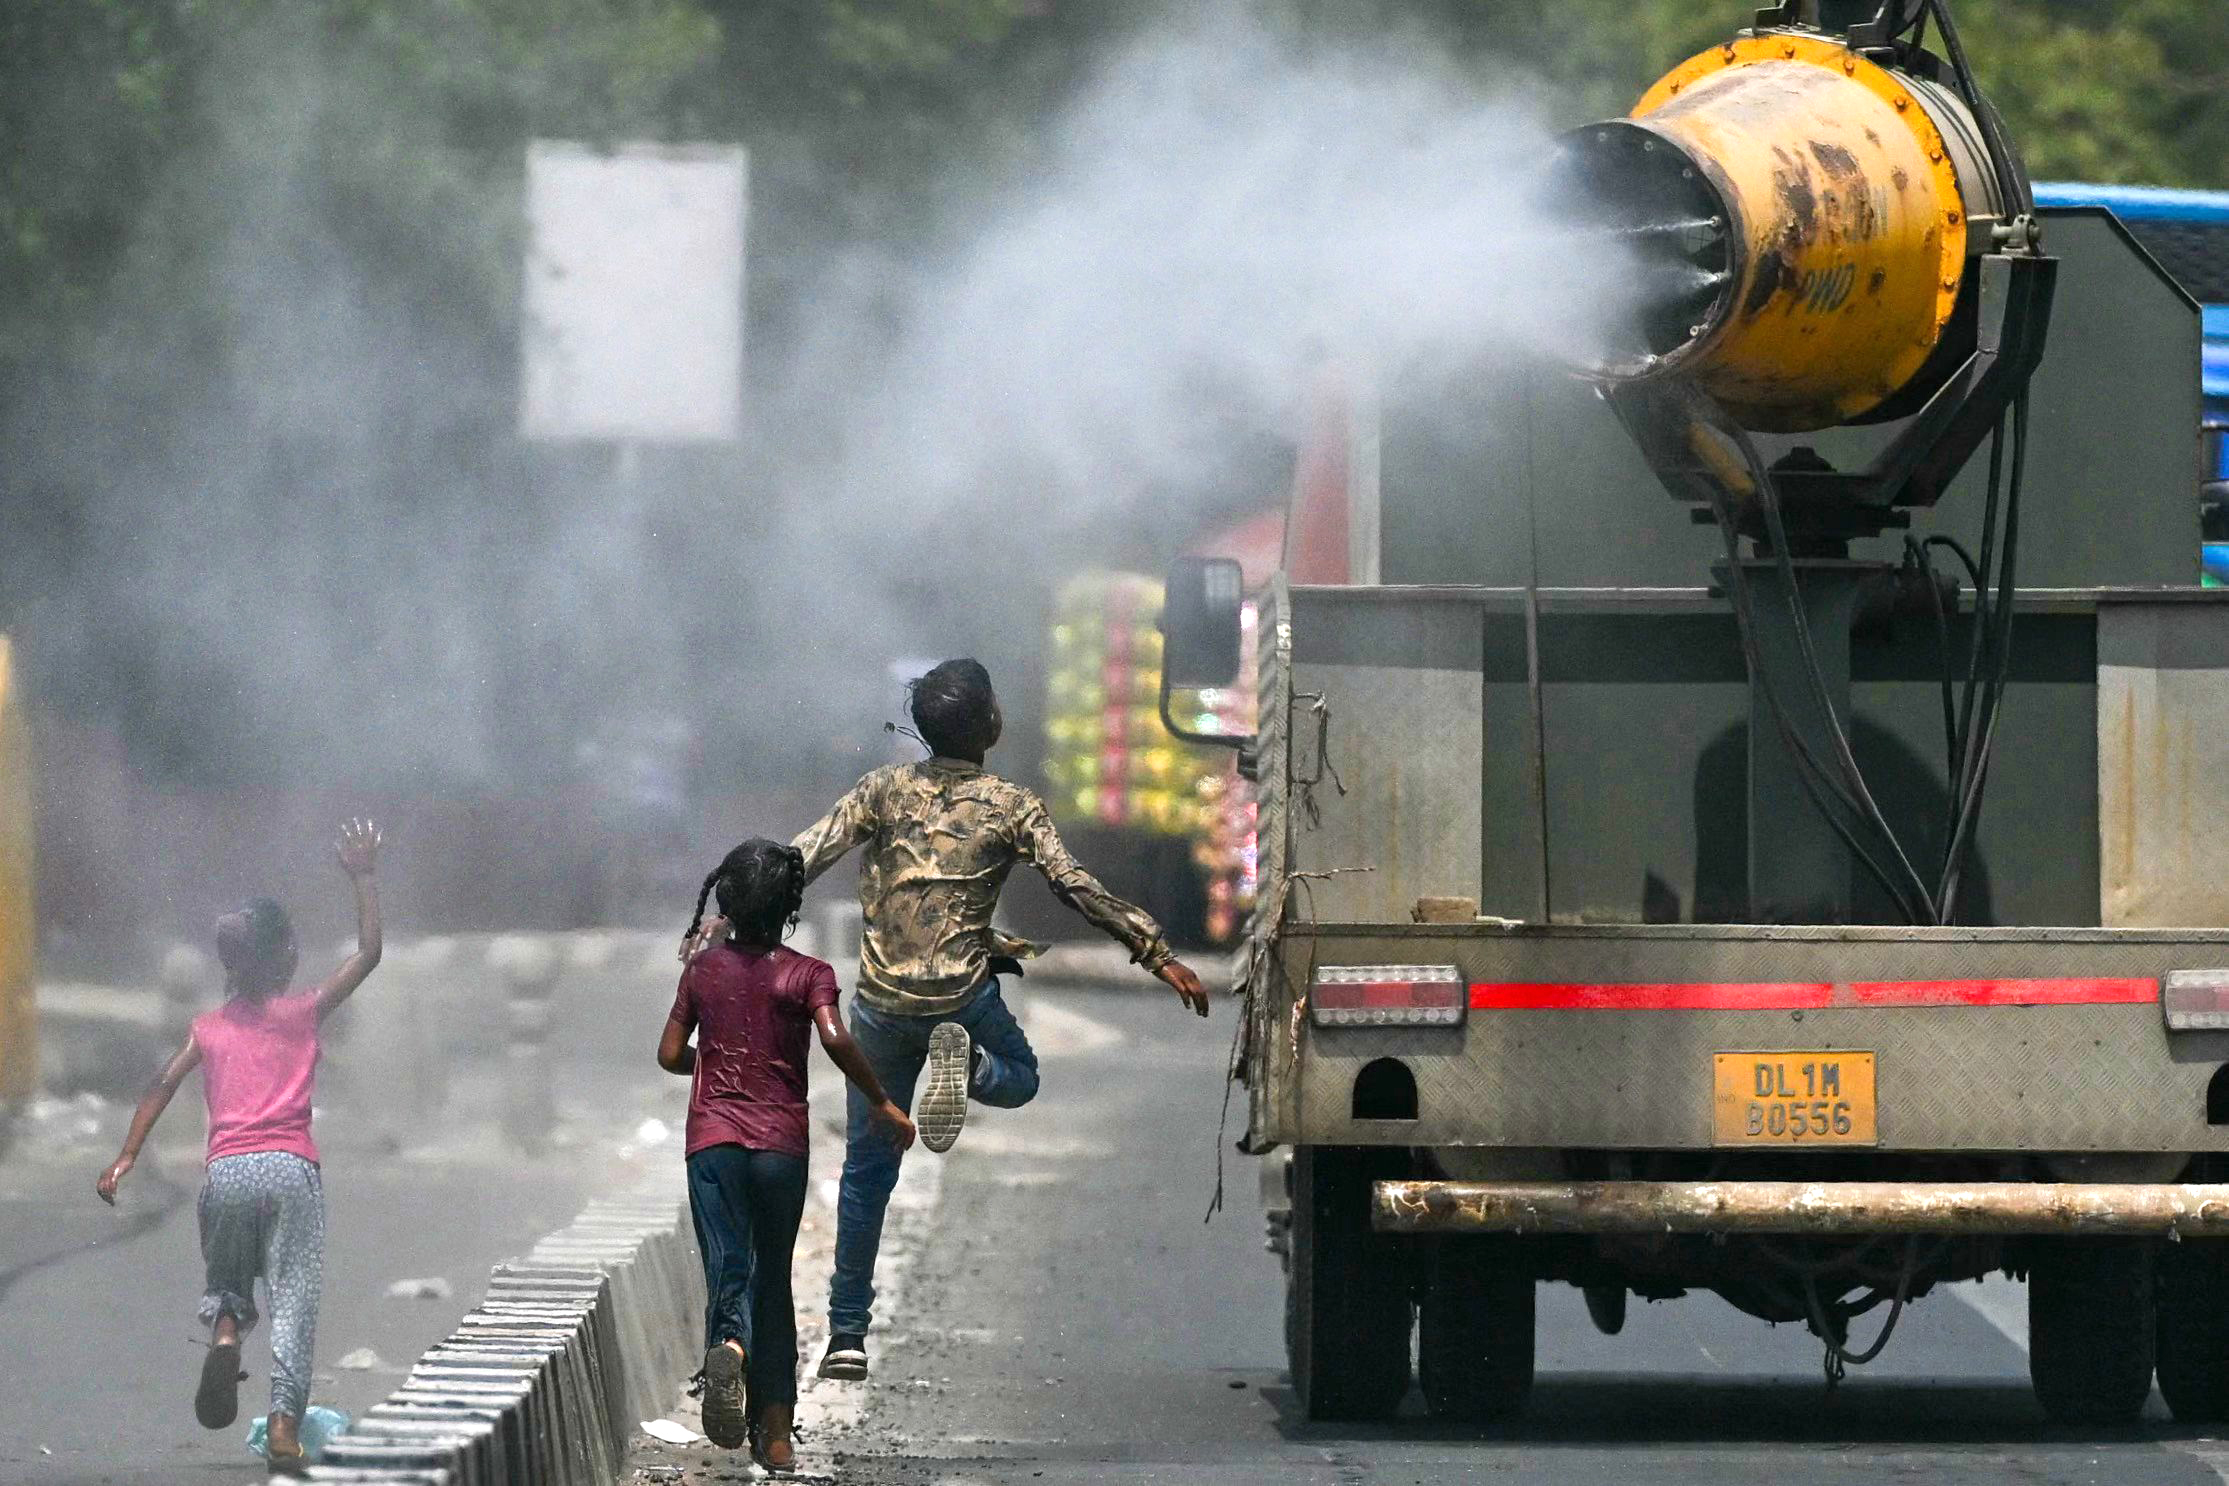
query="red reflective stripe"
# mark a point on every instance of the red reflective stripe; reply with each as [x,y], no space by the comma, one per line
[1535,996]
[2085,991]
[1802,995]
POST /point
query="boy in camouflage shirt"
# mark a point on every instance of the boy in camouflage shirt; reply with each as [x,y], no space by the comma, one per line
[941,837]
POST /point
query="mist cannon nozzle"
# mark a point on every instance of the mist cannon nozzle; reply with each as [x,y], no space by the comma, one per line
[1644,203]
[1798,224]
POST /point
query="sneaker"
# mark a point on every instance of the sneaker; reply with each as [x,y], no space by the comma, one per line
[727,1421]
[846,1357]
[943,1107]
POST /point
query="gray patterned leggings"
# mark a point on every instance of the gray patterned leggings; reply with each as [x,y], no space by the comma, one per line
[264,1214]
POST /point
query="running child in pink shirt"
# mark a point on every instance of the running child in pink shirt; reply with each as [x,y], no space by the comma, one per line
[262,1206]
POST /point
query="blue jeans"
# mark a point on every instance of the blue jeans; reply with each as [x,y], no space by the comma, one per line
[897,1046]
[746,1205]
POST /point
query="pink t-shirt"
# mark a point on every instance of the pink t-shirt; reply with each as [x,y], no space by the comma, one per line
[258,1068]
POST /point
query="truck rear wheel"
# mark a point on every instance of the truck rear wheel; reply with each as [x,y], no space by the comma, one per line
[1346,1297]
[2091,1335]
[1474,1338]
[2192,1288]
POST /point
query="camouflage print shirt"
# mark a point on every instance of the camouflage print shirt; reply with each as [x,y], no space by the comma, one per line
[941,837]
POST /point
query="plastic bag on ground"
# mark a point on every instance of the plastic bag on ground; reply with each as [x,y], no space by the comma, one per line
[318,1425]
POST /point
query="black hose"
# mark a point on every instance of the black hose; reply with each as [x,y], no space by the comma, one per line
[1972,736]
[1769,497]
[1838,1354]
[1977,761]
[1982,624]
[1953,740]
[1922,562]
[1965,558]
[1817,783]
[2017,198]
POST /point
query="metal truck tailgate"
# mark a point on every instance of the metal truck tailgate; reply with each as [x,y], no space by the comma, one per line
[1630,1037]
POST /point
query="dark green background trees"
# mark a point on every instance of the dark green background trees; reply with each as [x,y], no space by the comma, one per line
[119,115]
[264,517]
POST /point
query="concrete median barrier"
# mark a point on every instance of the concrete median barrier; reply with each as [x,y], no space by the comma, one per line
[542,1383]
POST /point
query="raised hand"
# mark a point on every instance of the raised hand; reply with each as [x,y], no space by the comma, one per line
[358,848]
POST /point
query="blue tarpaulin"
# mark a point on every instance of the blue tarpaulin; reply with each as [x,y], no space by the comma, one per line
[2140,203]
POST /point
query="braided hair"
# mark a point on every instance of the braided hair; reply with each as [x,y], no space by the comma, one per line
[760,887]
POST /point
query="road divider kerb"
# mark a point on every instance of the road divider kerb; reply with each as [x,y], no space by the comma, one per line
[542,1383]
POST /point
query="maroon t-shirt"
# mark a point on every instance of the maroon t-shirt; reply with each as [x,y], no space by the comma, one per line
[753,1016]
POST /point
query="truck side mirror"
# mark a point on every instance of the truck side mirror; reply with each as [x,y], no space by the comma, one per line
[1201,641]
[1200,621]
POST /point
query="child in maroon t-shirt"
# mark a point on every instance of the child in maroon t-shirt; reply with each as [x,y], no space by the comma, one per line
[754,1006]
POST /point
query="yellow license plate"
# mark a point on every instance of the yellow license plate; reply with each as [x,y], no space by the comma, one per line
[1793,1099]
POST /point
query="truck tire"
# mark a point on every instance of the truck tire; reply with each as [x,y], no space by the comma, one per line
[2091,1328]
[2192,1300]
[1347,1306]
[1474,1333]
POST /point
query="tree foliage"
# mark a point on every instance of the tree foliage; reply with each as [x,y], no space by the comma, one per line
[260,261]
[132,124]
[2130,91]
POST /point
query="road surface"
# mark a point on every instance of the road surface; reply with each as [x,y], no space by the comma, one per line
[1066,1317]
[102,1352]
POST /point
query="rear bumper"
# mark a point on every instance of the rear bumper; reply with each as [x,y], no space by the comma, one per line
[1603,1037]
[1802,1207]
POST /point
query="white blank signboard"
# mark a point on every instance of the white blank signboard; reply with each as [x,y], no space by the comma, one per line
[633,326]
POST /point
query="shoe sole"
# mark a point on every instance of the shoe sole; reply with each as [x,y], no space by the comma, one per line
[216,1403]
[726,1423]
[845,1367]
[943,1107]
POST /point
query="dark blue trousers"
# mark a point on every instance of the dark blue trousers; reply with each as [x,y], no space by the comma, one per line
[746,1205]
[897,1047]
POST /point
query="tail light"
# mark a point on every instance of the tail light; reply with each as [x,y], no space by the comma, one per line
[2195,1000]
[1388,996]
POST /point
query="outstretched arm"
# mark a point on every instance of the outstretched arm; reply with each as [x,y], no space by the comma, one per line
[848,822]
[846,1055]
[151,1107]
[1133,926]
[358,850]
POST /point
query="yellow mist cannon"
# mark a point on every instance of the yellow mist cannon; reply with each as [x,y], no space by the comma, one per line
[1820,228]
[1819,223]
[1839,203]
